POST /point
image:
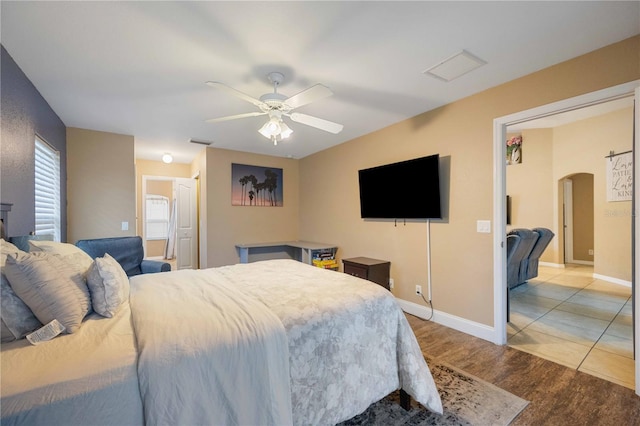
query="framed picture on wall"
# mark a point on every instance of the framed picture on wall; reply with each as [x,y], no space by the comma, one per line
[514,150]
[256,186]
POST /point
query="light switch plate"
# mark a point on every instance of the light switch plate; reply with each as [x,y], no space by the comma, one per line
[484,226]
[125,226]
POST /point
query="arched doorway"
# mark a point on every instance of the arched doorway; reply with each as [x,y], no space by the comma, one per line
[576,219]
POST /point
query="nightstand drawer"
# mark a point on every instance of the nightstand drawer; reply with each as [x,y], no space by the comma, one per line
[355,270]
[370,269]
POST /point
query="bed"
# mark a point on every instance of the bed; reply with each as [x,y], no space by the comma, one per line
[271,342]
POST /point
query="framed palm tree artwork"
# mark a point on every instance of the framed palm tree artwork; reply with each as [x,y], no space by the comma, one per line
[256,186]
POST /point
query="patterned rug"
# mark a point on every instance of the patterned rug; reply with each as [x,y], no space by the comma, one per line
[467,400]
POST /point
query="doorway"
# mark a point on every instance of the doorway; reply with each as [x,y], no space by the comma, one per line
[500,130]
[170,220]
[577,219]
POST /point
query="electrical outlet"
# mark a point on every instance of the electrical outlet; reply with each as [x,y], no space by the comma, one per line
[391,283]
[418,289]
[590,252]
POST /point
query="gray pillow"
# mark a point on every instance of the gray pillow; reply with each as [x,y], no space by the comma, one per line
[5,334]
[16,317]
[50,287]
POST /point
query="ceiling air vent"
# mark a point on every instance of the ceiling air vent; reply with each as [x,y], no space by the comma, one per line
[454,66]
[200,142]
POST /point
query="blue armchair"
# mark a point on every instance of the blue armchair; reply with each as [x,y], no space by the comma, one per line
[128,251]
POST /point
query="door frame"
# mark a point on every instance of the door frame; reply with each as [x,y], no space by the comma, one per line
[500,125]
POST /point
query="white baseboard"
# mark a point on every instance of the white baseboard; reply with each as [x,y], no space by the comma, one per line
[582,262]
[552,265]
[473,328]
[612,280]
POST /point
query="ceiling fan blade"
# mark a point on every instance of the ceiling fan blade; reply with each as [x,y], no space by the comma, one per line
[318,123]
[307,96]
[236,93]
[234,117]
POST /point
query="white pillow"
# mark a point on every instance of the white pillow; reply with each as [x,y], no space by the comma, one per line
[108,285]
[7,248]
[50,287]
[79,256]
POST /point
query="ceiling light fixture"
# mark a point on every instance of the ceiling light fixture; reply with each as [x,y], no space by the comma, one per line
[275,127]
[167,158]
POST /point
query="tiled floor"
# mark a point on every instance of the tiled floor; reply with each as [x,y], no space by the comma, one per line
[569,317]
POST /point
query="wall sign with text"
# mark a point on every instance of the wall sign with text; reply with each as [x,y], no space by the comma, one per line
[620,177]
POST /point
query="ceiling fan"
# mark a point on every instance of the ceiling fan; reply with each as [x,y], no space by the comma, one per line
[276,106]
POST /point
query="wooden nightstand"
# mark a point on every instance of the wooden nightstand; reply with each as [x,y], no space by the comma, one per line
[370,269]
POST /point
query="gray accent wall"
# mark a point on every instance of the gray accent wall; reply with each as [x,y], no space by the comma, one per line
[25,114]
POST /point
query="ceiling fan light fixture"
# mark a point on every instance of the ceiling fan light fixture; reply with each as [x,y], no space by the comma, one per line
[285,131]
[270,128]
[276,105]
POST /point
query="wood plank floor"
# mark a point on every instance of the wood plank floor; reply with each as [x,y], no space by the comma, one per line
[558,395]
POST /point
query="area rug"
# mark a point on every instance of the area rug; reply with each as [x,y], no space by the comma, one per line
[466,399]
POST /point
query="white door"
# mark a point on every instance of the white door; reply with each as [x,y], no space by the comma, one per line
[186,224]
[568,220]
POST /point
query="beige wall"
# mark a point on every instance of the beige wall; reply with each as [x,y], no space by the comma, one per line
[462,259]
[583,228]
[100,184]
[612,221]
[228,225]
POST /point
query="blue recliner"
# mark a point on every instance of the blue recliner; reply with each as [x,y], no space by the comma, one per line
[514,257]
[128,251]
[513,266]
[528,239]
[544,238]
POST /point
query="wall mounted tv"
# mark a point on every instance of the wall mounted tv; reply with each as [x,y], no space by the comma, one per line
[405,190]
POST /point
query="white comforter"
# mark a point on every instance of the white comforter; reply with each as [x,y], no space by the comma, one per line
[349,343]
[208,354]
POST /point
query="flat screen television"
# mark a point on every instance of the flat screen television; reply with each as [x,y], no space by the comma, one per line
[405,190]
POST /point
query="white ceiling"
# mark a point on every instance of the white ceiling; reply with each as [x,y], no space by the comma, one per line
[139,68]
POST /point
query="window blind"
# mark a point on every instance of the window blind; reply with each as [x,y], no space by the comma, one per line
[47,190]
